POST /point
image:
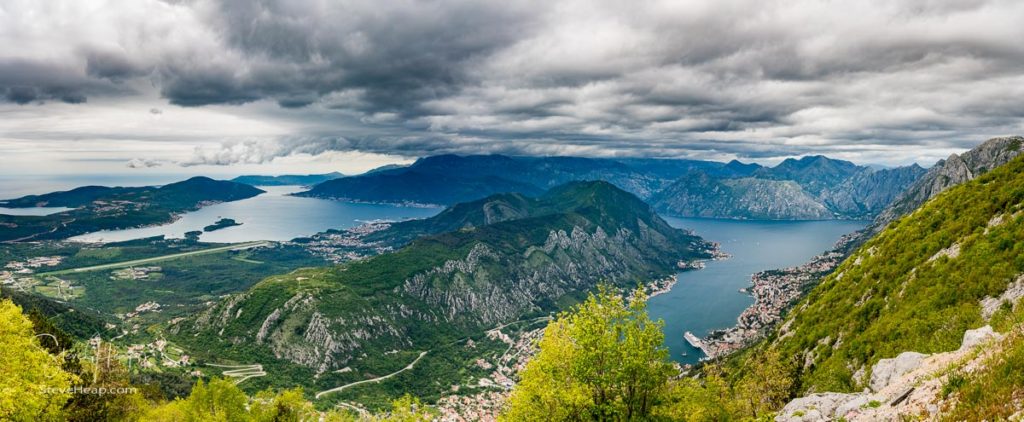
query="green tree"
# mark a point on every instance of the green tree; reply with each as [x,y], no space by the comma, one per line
[33,386]
[708,398]
[286,406]
[605,360]
[111,396]
[220,400]
[408,409]
[765,385]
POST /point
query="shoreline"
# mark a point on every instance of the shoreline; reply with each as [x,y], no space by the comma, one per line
[409,204]
[773,291]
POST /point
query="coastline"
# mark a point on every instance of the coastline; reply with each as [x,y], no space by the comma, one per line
[773,291]
[409,204]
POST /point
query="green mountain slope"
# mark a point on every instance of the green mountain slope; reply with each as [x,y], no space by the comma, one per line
[537,256]
[917,286]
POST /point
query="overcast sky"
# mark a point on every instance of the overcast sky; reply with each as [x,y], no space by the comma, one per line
[315,85]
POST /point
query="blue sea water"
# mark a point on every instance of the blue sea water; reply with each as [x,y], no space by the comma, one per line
[709,299]
[33,210]
[274,215]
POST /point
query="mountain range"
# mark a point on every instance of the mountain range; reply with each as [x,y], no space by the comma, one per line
[813,187]
[956,169]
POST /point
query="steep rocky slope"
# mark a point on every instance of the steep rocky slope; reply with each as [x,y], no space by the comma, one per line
[869,191]
[910,386]
[700,195]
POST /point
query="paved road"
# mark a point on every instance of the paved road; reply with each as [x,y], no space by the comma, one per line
[241,372]
[158,258]
[378,379]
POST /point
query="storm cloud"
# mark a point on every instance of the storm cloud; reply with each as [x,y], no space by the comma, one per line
[871,81]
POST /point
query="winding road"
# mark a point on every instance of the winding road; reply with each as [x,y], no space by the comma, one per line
[242,372]
[378,379]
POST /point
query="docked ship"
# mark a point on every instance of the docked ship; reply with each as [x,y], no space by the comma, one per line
[693,340]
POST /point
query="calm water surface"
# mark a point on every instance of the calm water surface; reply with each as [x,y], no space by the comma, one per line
[709,299]
[33,210]
[270,216]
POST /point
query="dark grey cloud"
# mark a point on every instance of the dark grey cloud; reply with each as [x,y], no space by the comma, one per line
[294,52]
[756,79]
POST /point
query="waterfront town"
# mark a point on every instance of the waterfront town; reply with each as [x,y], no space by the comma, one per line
[773,292]
[347,245]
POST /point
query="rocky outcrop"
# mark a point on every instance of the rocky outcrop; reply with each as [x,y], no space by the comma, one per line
[888,370]
[1013,293]
[907,385]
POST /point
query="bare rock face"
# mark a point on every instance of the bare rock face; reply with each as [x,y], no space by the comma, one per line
[888,370]
[974,338]
[869,191]
[815,407]
[908,384]
[1013,293]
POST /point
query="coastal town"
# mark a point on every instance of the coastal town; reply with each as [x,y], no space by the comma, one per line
[773,292]
[347,245]
[488,403]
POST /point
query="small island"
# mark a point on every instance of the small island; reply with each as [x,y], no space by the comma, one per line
[221,224]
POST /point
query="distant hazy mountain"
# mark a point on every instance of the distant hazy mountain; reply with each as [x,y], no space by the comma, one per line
[816,174]
[810,188]
[386,168]
[700,195]
[287,179]
[870,190]
[416,187]
[448,179]
[814,187]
